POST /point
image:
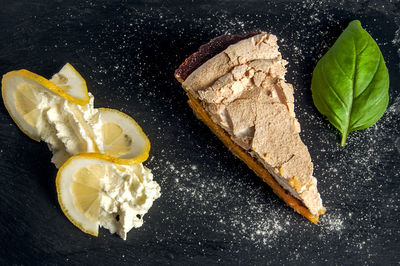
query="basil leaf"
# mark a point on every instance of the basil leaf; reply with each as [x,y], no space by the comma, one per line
[350,84]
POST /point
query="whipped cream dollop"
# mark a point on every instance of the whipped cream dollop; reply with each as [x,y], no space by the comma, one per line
[128,193]
[66,127]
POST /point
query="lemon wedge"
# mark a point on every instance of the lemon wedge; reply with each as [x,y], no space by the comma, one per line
[23,92]
[95,191]
[121,137]
[72,83]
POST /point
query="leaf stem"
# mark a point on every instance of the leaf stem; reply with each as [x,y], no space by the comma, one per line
[344,137]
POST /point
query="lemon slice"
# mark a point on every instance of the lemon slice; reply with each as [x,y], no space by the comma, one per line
[72,83]
[121,137]
[22,93]
[79,183]
[94,191]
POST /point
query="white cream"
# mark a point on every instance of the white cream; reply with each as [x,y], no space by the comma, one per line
[63,126]
[128,193]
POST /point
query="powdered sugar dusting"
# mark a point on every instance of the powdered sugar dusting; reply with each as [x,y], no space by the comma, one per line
[213,209]
[253,220]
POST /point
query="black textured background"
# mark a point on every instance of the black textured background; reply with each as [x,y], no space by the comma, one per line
[213,209]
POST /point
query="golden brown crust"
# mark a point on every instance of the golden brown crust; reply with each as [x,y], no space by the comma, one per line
[251,162]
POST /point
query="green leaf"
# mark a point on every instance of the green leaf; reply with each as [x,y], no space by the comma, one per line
[350,84]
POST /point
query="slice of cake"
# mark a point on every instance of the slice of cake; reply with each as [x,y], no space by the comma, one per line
[236,86]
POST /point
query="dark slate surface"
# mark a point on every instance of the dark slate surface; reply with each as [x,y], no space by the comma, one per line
[213,208]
